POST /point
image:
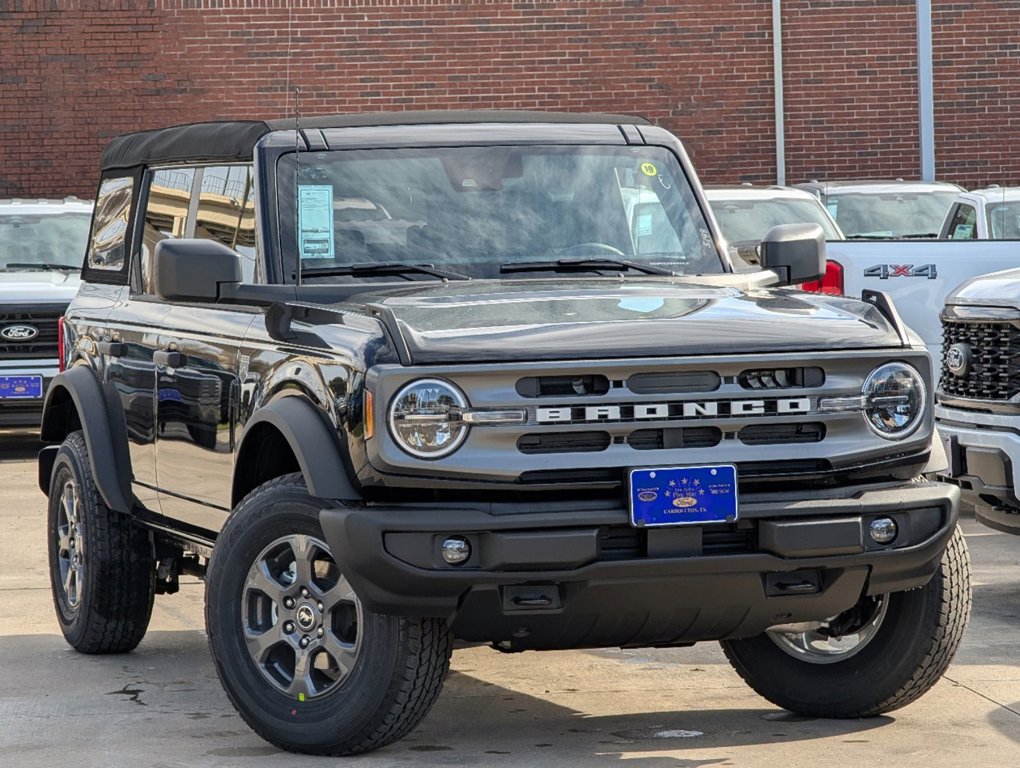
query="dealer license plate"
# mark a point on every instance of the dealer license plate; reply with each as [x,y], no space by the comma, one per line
[683,495]
[13,387]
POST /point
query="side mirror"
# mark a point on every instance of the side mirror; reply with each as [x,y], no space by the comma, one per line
[193,270]
[796,252]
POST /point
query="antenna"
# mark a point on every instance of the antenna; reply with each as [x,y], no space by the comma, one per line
[297,177]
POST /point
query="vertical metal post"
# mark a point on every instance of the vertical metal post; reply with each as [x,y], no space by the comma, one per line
[925,91]
[777,77]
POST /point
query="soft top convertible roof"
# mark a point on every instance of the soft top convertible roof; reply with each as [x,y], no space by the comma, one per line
[233,141]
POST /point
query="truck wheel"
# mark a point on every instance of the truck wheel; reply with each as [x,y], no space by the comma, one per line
[101,566]
[305,664]
[879,656]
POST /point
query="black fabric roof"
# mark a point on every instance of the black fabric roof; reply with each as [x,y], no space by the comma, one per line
[235,140]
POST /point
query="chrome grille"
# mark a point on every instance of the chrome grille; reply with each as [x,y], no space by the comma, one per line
[994,369]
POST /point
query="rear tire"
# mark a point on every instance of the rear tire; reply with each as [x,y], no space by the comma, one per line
[305,665]
[102,571]
[898,652]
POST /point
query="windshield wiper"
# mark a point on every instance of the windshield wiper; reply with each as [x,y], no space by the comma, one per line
[919,236]
[582,265]
[43,267]
[385,269]
[871,237]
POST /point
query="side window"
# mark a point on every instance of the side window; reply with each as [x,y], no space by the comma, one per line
[166,216]
[226,211]
[213,203]
[962,225]
[109,225]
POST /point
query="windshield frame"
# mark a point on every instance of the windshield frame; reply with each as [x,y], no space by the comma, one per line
[281,261]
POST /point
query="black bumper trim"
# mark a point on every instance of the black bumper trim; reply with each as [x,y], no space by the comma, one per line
[663,589]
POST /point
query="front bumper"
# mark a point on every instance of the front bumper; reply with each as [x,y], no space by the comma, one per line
[984,461]
[575,575]
[25,411]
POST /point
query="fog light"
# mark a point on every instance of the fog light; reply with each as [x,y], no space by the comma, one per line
[456,550]
[883,530]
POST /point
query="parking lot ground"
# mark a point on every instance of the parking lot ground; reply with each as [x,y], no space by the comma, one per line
[162,706]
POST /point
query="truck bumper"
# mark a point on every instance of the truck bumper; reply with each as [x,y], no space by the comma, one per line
[25,411]
[569,578]
[984,461]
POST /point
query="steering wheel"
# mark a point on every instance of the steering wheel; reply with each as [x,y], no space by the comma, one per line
[590,249]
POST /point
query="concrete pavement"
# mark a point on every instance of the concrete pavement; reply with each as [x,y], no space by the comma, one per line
[162,706]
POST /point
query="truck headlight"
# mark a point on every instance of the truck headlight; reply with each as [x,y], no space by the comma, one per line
[894,400]
[425,418]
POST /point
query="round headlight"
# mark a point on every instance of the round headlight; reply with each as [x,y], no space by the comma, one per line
[425,418]
[895,399]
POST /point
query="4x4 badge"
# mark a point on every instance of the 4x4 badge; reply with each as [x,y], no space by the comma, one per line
[958,359]
[19,332]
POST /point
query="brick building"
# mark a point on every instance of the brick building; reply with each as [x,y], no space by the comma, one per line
[75,72]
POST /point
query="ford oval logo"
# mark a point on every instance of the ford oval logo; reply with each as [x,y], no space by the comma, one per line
[19,332]
[958,359]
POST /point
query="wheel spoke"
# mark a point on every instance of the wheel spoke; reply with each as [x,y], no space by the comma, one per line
[260,579]
[67,501]
[341,592]
[71,584]
[261,643]
[303,550]
[63,541]
[302,682]
[344,656]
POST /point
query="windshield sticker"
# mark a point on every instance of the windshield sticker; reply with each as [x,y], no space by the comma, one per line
[315,221]
[648,169]
[832,206]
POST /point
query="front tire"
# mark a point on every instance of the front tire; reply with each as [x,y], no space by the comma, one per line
[306,666]
[102,571]
[888,652]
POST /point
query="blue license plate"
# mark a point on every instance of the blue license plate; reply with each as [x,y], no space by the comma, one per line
[683,495]
[13,387]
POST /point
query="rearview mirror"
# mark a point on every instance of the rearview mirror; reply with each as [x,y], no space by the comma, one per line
[193,270]
[796,252]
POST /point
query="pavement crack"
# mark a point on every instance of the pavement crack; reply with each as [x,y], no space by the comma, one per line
[131,693]
[983,696]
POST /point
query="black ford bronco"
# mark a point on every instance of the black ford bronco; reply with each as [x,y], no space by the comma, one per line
[387,381]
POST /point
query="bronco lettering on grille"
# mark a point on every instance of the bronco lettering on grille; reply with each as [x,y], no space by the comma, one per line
[686,410]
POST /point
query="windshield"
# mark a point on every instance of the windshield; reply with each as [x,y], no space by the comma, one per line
[1004,221]
[899,214]
[474,210]
[28,240]
[747,221]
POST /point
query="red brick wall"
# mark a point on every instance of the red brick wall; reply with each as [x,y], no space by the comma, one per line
[75,72]
[850,87]
[977,92]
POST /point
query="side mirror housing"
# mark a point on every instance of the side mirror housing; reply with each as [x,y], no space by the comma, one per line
[193,270]
[796,252]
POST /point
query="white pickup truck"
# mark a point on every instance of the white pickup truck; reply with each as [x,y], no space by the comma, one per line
[918,275]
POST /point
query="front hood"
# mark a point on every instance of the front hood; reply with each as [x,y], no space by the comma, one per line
[24,287]
[998,289]
[493,321]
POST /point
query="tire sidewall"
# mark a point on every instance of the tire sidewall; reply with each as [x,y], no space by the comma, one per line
[71,464]
[257,522]
[876,673]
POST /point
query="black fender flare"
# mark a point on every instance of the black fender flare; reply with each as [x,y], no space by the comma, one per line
[98,411]
[314,442]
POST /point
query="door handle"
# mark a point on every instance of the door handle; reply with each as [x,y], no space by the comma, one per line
[112,348]
[167,357]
